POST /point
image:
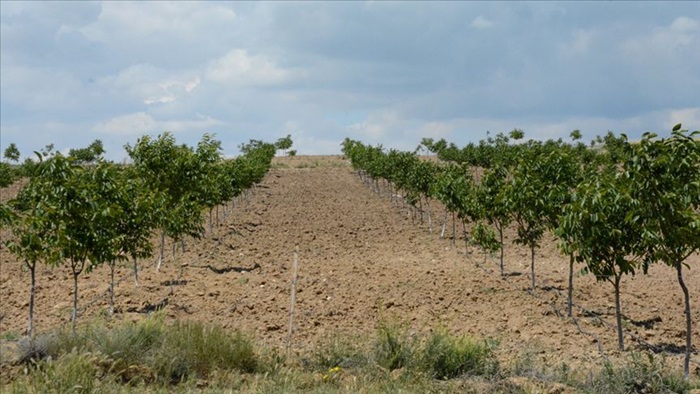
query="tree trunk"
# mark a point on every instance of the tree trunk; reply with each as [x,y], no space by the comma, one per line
[570,301]
[532,266]
[136,272]
[217,219]
[32,270]
[466,239]
[430,215]
[420,206]
[618,313]
[444,225]
[500,234]
[76,273]
[162,250]
[688,320]
[111,288]
[211,224]
[454,228]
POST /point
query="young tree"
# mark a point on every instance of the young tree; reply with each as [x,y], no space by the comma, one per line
[665,177]
[12,153]
[526,205]
[284,144]
[600,234]
[490,199]
[139,213]
[90,154]
[173,172]
[38,221]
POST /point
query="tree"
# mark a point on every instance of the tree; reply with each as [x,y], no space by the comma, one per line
[38,224]
[7,175]
[104,239]
[665,177]
[525,201]
[490,198]
[284,144]
[12,153]
[173,172]
[599,232]
[139,213]
[90,154]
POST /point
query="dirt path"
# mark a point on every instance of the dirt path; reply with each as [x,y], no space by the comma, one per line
[360,260]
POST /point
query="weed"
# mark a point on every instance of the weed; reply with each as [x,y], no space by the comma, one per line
[446,356]
[393,347]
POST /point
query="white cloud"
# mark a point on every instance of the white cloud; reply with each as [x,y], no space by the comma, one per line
[481,23]
[580,43]
[689,117]
[151,85]
[142,123]
[125,20]
[377,126]
[238,67]
[682,33]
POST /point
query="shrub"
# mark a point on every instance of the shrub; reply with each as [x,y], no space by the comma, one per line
[336,351]
[640,375]
[192,349]
[446,356]
[393,347]
[7,175]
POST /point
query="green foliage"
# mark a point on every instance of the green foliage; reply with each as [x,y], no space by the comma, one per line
[7,175]
[394,348]
[74,372]
[486,238]
[334,351]
[12,153]
[194,350]
[446,356]
[89,154]
[173,172]
[664,177]
[643,374]
[284,144]
[150,350]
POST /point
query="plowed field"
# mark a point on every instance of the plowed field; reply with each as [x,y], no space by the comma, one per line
[362,258]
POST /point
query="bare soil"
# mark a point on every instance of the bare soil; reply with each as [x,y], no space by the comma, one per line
[363,258]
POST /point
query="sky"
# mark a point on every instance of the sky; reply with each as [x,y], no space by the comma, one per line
[387,73]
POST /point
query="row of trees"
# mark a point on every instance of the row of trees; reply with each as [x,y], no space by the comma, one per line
[617,208]
[104,213]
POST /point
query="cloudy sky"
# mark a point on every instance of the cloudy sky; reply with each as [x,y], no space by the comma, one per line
[381,72]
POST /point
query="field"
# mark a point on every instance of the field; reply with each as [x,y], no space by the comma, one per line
[363,260]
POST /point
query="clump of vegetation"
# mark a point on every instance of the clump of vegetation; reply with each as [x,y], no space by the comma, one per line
[154,356]
[643,374]
[446,356]
[394,348]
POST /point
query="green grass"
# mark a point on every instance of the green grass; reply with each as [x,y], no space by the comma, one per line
[182,357]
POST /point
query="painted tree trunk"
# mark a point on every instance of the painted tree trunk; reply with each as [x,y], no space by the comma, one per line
[76,273]
[618,313]
[570,301]
[111,287]
[532,266]
[162,250]
[32,289]
[500,235]
[688,320]
[466,238]
[136,272]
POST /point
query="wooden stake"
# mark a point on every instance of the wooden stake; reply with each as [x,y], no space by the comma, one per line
[295,266]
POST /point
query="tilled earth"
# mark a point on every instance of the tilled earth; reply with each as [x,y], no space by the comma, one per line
[362,258]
